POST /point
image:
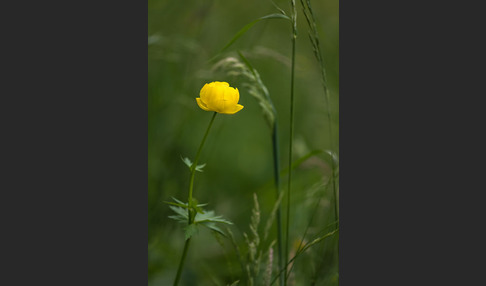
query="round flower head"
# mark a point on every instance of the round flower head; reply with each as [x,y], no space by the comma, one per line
[219,97]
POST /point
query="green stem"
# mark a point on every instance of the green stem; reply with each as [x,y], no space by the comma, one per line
[191,212]
[302,250]
[181,264]
[294,37]
[311,21]
[194,165]
[276,165]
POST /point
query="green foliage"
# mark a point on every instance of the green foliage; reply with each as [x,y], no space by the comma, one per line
[256,272]
[251,82]
[189,164]
[301,250]
[190,230]
[254,257]
[269,268]
[271,218]
[249,25]
[202,218]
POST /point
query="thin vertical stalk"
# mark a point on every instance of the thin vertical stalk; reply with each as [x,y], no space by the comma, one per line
[276,169]
[292,73]
[194,165]
[181,263]
[191,212]
[276,161]
[314,39]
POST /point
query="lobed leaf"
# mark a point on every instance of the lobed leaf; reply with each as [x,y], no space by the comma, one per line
[176,204]
[179,211]
[213,227]
[190,230]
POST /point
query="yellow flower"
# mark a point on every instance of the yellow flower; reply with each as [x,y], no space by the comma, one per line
[219,97]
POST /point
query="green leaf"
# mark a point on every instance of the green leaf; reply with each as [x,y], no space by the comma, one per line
[196,206]
[200,167]
[315,241]
[302,250]
[190,230]
[176,204]
[213,227]
[179,201]
[334,156]
[182,213]
[189,164]
[199,210]
[235,283]
[247,27]
[178,218]
[187,161]
[301,160]
[209,216]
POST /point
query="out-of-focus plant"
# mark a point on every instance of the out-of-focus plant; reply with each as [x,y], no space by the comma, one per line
[255,87]
[258,265]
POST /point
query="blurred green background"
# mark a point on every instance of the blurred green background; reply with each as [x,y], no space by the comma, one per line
[183,36]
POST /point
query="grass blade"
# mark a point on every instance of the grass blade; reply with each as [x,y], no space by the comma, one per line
[247,27]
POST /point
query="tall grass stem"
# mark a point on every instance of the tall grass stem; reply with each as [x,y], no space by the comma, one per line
[292,73]
[314,38]
[276,168]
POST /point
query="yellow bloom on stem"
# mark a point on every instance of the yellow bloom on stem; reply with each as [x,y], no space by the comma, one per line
[219,97]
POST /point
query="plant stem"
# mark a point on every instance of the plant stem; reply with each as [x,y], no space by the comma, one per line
[314,38]
[181,264]
[276,165]
[294,37]
[191,213]
[194,165]
[302,250]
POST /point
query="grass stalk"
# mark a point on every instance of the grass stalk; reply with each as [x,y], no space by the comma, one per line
[314,39]
[271,116]
[292,73]
[276,168]
[303,249]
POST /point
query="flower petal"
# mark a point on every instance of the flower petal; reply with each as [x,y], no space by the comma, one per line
[231,96]
[202,104]
[234,109]
[204,93]
[218,102]
[221,83]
